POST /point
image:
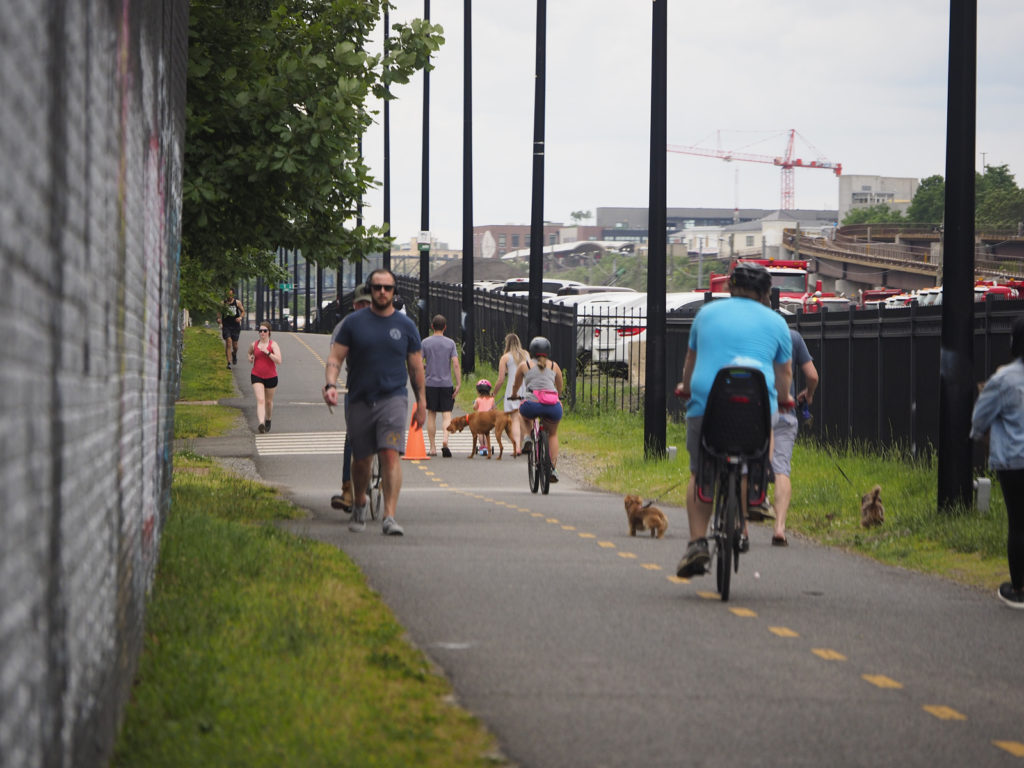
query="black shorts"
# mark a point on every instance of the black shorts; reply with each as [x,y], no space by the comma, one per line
[230,331]
[267,383]
[440,399]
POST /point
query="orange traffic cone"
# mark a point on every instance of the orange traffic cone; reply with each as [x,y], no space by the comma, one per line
[414,446]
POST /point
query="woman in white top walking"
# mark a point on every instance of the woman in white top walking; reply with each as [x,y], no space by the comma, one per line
[507,365]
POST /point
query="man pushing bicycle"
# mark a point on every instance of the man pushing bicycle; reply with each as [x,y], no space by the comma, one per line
[743,331]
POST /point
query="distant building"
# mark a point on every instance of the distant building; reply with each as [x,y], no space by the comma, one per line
[866,191]
[631,223]
[405,257]
[757,238]
[492,241]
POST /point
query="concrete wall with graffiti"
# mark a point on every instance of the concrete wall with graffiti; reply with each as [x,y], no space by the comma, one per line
[91,160]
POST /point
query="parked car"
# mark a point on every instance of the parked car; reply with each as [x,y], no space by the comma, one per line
[614,338]
[575,290]
[522,285]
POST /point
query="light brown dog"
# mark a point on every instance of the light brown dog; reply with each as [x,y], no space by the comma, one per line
[871,510]
[643,518]
[481,424]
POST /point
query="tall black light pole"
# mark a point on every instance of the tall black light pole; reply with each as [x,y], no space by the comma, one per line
[359,224]
[956,367]
[537,210]
[386,256]
[654,401]
[424,302]
[468,326]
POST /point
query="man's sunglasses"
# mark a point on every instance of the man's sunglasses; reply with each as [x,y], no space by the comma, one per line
[381,287]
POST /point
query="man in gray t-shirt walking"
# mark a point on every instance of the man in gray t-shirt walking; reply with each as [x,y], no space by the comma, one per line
[442,367]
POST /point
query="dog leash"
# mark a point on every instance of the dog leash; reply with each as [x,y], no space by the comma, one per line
[671,487]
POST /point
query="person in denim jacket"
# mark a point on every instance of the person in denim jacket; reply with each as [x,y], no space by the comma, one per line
[999,412]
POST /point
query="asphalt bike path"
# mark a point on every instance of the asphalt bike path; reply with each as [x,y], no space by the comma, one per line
[577,645]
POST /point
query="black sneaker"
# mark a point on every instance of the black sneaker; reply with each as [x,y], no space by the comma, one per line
[744,543]
[229,366]
[1012,597]
[445,453]
[695,559]
[261,429]
[234,358]
[266,425]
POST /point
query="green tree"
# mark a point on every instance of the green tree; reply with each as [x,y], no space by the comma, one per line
[875,214]
[998,201]
[929,203]
[578,216]
[276,106]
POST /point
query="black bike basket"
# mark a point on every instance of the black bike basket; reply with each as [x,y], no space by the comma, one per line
[737,424]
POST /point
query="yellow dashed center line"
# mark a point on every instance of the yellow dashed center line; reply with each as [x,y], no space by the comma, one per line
[882,681]
[1015,748]
[941,712]
[829,655]
[944,713]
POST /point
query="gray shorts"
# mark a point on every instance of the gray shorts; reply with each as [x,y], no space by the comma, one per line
[693,440]
[785,436]
[373,427]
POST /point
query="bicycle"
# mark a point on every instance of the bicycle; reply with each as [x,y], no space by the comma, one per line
[375,491]
[735,435]
[538,458]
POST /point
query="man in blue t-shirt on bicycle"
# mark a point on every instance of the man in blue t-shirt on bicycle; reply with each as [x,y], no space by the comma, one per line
[741,330]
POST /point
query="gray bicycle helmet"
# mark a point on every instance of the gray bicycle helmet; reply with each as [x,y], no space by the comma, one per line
[752,277]
[540,347]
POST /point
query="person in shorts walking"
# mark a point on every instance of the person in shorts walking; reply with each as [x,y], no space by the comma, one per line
[230,320]
[441,359]
[785,431]
[383,348]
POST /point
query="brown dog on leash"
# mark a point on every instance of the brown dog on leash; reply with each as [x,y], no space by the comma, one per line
[643,518]
[481,423]
[871,510]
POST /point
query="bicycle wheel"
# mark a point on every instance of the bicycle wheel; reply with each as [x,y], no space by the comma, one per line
[727,541]
[532,465]
[376,491]
[544,462]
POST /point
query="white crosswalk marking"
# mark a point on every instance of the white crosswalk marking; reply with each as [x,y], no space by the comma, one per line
[328,443]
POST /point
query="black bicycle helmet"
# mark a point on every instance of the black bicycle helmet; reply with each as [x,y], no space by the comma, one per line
[752,277]
[540,347]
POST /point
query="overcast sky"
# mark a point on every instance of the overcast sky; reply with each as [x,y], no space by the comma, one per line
[863,83]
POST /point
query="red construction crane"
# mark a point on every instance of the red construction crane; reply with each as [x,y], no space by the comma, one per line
[787,162]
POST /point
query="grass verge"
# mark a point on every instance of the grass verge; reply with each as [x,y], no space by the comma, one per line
[266,649]
[204,379]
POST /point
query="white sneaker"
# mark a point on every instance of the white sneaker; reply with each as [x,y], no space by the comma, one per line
[391,528]
[358,522]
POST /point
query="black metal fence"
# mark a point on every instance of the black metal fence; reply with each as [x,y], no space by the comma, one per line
[879,368]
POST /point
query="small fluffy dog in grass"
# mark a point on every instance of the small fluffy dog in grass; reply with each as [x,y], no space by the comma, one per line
[871,510]
[643,518]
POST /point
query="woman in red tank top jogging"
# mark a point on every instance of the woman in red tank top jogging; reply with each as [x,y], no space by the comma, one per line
[265,356]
